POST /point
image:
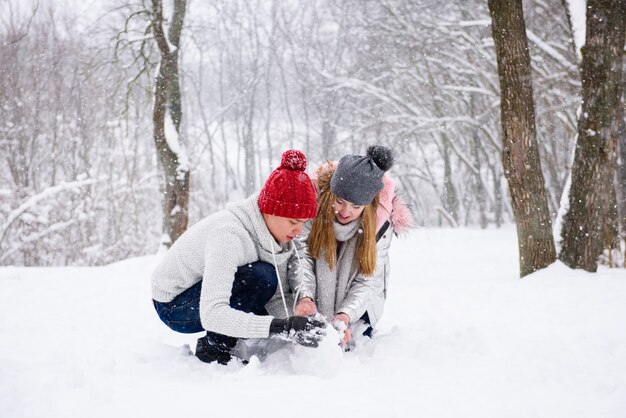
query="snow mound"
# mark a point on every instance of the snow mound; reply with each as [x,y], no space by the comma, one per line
[322,361]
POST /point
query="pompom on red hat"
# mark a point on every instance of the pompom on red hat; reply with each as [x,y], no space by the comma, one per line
[288,191]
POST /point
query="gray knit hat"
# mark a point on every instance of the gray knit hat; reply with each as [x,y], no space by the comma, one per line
[358,178]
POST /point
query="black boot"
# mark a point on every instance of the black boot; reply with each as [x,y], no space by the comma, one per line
[215,347]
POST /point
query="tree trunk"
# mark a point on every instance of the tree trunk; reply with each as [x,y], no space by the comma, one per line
[329,137]
[167,105]
[451,199]
[590,213]
[479,186]
[249,146]
[621,176]
[497,197]
[520,154]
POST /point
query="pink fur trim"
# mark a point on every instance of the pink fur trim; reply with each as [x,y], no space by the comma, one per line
[385,207]
[393,208]
[401,216]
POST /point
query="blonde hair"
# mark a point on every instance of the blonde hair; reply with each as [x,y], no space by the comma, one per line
[322,235]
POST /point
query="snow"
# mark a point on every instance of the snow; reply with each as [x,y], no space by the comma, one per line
[563,209]
[551,52]
[173,141]
[461,336]
[557,225]
[45,194]
[578,16]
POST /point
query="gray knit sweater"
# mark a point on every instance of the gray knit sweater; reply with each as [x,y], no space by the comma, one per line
[213,249]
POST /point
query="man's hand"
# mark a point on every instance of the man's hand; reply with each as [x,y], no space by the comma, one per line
[301,329]
[305,307]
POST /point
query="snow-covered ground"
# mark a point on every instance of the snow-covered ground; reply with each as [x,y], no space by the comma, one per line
[462,336]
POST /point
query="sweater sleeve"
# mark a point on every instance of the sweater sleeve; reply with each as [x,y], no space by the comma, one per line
[224,253]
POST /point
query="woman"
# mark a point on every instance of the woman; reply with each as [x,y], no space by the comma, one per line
[345,267]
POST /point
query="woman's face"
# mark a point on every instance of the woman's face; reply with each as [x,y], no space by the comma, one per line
[346,212]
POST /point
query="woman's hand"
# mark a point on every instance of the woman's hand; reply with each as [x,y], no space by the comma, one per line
[341,322]
[305,307]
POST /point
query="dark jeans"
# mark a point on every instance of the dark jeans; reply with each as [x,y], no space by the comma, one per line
[253,287]
[368,332]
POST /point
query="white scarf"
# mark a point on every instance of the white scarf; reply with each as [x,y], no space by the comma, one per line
[332,285]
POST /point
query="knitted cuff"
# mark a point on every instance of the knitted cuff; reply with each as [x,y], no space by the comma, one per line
[278,325]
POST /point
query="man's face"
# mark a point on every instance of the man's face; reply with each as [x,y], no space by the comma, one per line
[283,229]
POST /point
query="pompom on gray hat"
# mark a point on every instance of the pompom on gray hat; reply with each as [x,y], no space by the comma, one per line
[358,178]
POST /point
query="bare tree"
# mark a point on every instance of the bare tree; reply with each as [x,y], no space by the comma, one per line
[621,179]
[325,76]
[167,117]
[589,224]
[78,188]
[520,153]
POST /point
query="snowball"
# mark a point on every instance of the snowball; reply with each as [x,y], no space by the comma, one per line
[322,361]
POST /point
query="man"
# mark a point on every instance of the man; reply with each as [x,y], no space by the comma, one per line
[227,274]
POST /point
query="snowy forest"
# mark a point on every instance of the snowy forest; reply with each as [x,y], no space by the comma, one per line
[108,110]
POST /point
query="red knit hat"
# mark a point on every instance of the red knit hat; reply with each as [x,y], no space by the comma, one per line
[288,191]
